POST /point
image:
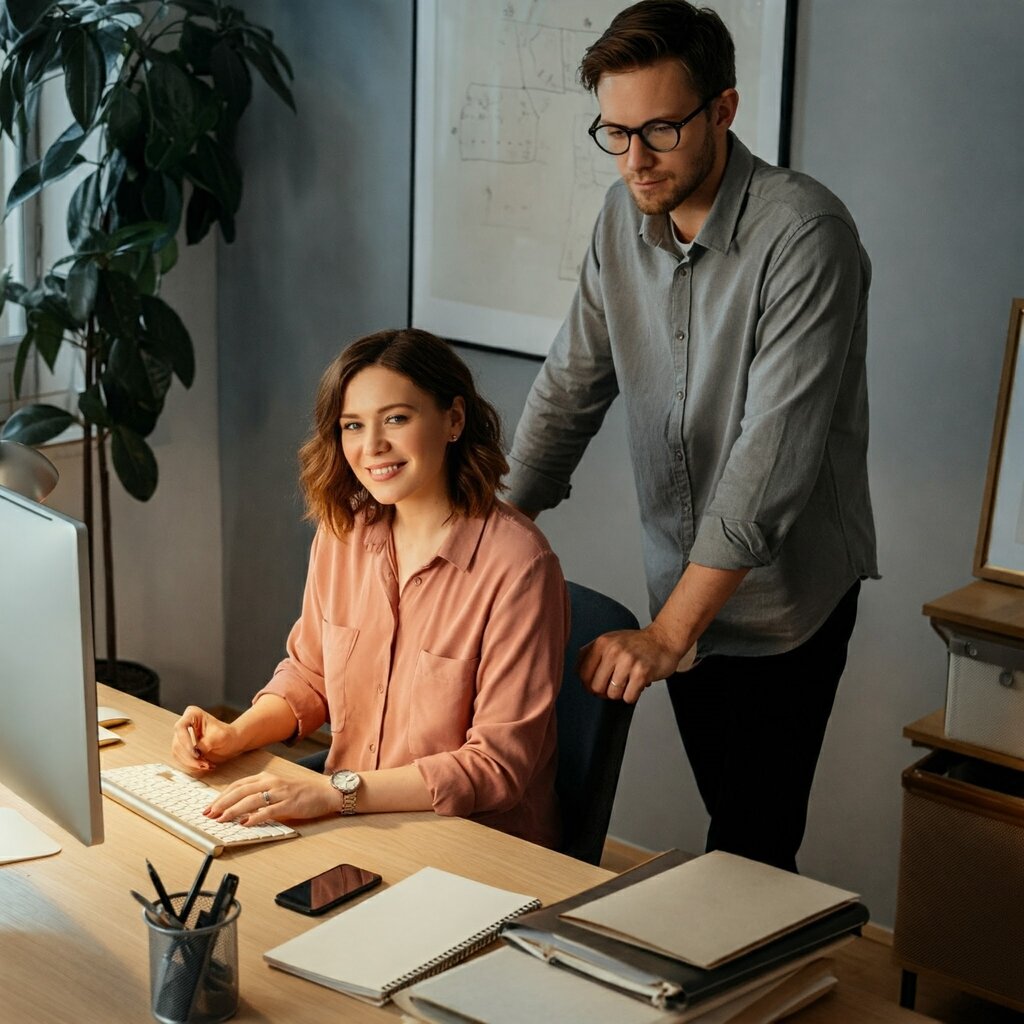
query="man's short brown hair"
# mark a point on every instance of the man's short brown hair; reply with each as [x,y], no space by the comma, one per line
[657,30]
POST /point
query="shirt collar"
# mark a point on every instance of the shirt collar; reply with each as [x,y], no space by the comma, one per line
[719,227]
[458,547]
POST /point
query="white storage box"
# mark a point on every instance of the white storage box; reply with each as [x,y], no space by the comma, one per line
[985,692]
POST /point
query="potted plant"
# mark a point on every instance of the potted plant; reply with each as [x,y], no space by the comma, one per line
[155,92]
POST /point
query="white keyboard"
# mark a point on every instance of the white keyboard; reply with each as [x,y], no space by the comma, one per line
[175,801]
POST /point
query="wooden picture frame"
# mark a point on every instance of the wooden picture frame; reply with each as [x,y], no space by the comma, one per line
[507,184]
[999,553]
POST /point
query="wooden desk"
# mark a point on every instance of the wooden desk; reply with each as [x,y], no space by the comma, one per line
[73,945]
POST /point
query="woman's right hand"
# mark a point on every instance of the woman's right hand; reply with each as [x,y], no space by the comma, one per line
[215,741]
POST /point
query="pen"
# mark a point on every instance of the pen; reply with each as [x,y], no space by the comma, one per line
[161,892]
[157,913]
[196,886]
[192,739]
[221,901]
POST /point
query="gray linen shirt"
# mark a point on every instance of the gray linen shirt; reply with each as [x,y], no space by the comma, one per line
[742,369]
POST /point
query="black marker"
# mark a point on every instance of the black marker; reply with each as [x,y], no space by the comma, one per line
[161,892]
[196,886]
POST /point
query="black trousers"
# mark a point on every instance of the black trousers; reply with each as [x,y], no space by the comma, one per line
[753,729]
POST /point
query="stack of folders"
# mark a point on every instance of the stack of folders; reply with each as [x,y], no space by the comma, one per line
[716,939]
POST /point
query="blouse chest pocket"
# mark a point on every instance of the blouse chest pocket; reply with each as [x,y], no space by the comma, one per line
[338,642]
[441,704]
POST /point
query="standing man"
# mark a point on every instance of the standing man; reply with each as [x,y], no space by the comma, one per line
[726,301]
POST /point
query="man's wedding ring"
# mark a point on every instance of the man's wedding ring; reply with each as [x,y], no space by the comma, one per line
[266,797]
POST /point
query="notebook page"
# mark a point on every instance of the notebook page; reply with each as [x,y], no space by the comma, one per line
[397,932]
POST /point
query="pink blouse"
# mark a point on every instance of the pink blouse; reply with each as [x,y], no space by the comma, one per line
[458,674]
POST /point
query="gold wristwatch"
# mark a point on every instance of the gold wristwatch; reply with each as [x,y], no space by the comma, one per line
[347,783]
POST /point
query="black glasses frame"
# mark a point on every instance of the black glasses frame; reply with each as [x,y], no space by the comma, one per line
[639,132]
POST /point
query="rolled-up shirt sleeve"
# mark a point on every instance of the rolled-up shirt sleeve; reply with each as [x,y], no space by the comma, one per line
[518,678]
[299,678]
[812,301]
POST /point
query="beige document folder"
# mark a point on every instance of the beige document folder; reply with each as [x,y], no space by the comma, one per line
[710,909]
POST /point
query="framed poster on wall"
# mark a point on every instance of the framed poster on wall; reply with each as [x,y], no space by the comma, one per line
[506,182]
[999,554]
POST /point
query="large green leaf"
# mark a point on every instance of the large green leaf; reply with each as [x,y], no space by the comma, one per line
[168,256]
[25,13]
[171,99]
[164,150]
[213,168]
[36,424]
[82,210]
[60,157]
[90,405]
[159,372]
[85,73]
[200,215]
[231,77]
[197,42]
[161,199]
[126,411]
[134,463]
[110,38]
[126,367]
[169,337]
[47,335]
[268,69]
[133,237]
[82,286]
[27,185]
[8,101]
[43,55]
[124,116]
[117,305]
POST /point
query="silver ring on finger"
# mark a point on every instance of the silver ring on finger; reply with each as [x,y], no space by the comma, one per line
[266,797]
[618,686]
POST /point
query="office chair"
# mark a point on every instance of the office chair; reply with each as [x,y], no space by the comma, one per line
[591,732]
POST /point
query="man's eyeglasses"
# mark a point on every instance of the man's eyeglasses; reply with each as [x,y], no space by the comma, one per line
[661,136]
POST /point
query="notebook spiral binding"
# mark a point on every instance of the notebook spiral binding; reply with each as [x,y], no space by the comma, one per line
[456,954]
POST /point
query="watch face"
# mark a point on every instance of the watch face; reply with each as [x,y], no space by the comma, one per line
[345,781]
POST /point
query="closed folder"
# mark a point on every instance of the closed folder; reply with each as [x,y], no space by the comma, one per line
[662,980]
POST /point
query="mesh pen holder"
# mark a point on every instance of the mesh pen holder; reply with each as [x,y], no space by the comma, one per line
[193,973]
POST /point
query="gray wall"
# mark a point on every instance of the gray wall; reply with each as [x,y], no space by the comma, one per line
[908,109]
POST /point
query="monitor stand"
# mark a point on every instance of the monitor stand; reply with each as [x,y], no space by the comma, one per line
[21,840]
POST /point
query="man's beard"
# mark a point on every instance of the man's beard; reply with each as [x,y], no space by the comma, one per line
[679,190]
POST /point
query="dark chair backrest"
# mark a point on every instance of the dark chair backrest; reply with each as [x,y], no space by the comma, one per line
[591,731]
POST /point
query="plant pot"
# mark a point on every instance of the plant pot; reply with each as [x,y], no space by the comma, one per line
[132,678]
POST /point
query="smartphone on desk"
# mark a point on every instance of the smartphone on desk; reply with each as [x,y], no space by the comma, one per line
[320,893]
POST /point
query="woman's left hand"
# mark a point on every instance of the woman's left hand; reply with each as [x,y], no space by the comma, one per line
[259,798]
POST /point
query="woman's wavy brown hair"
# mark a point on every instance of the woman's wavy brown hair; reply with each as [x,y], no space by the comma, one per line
[475,462]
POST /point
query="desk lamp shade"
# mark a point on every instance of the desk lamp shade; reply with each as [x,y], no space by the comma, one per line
[26,471]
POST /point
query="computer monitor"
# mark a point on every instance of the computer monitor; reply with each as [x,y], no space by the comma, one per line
[49,752]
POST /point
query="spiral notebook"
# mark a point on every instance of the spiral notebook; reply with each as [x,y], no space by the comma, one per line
[413,929]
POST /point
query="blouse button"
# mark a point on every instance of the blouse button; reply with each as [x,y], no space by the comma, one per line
[417,580]
[373,747]
[380,688]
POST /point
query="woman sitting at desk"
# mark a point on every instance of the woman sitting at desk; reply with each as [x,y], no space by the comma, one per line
[434,619]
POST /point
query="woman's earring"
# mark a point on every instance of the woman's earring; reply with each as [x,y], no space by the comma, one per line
[454,437]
